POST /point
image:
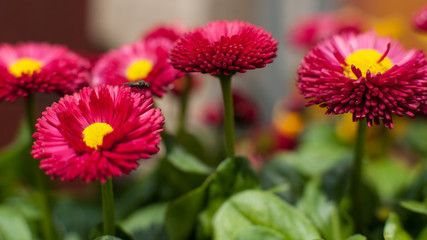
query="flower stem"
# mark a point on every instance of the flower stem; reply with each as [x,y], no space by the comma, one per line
[184,103]
[108,211]
[356,183]
[228,114]
[39,177]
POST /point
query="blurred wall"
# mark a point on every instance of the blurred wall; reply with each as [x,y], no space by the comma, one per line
[53,21]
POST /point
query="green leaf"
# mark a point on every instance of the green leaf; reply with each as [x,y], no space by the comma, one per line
[283,179]
[253,208]
[423,234]
[148,220]
[108,237]
[356,237]
[98,232]
[323,213]
[393,229]
[232,176]
[13,225]
[414,206]
[187,162]
[388,176]
[259,232]
[320,150]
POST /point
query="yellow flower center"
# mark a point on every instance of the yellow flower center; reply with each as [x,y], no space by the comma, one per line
[289,124]
[93,135]
[367,59]
[139,70]
[25,66]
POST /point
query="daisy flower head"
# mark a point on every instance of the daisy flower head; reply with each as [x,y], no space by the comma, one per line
[97,133]
[420,19]
[369,76]
[30,67]
[224,47]
[145,60]
[171,32]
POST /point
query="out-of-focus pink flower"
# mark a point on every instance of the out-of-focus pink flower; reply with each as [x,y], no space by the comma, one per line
[145,60]
[97,133]
[26,68]
[370,76]
[172,32]
[420,19]
[246,112]
[224,47]
[309,31]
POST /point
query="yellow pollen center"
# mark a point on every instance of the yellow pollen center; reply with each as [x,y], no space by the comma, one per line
[139,70]
[93,135]
[366,59]
[25,66]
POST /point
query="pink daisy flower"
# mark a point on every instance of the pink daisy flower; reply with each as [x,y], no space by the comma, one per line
[309,31]
[420,19]
[144,60]
[224,47]
[171,32]
[369,76]
[40,67]
[97,133]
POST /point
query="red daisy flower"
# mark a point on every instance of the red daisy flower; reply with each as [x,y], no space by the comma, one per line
[171,32]
[309,31]
[369,76]
[40,67]
[420,19]
[144,60]
[97,133]
[224,47]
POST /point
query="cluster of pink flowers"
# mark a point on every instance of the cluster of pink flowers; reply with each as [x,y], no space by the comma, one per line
[102,131]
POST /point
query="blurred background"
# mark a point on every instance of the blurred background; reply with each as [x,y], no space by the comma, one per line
[91,27]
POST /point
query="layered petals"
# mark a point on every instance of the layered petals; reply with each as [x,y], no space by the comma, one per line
[97,133]
[40,67]
[369,76]
[224,47]
[145,60]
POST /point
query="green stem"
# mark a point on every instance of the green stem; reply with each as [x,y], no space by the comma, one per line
[356,175]
[108,210]
[228,114]
[39,177]
[184,103]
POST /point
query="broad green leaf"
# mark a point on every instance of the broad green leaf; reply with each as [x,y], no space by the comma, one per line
[259,232]
[187,162]
[145,218]
[252,208]
[323,213]
[393,229]
[13,225]
[232,176]
[414,206]
[283,179]
[423,234]
[108,237]
[98,234]
[320,150]
[388,176]
[415,136]
[356,237]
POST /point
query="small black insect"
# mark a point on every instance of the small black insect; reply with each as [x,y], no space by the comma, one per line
[141,84]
